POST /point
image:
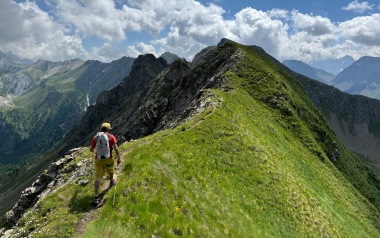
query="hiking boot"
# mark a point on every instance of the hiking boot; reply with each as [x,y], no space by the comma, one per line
[96,201]
[112,184]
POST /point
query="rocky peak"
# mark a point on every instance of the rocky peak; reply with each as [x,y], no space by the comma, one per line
[169,57]
[361,77]
[155,96]
[9,63]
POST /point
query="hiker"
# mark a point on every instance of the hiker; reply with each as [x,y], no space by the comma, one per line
[104,142]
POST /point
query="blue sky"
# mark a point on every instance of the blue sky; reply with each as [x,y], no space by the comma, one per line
[109,29]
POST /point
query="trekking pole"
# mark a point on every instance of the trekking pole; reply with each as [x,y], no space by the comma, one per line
[114,191]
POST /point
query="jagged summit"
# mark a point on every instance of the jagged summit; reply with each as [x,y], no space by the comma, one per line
[169,57]
[153,97]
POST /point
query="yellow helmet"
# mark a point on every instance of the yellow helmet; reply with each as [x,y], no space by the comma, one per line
[106,125]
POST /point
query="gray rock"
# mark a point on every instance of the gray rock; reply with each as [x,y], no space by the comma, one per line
[83,182]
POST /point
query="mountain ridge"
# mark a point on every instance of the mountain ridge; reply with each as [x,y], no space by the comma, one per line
[333,66]
[361,77]
[307,70]
[258,160]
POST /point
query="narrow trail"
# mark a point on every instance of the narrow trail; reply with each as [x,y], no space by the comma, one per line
[93,213]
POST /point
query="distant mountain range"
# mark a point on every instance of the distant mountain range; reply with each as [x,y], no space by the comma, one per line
[307,70]
[9,63]
[333,66]
[362,77]
[40,102]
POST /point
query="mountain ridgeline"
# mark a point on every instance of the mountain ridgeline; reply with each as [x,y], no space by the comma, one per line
[39,104]
[361,77]
[309,71]
[228,145]
[44,100]
[354,118]
[153,97]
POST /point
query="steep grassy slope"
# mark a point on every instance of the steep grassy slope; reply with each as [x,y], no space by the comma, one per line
[354,118]
[259,162]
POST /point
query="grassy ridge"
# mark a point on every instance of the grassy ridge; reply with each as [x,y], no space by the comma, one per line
[241,177]
[257,165]
[223,174]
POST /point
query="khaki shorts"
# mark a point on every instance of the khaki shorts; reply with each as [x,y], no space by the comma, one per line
[101,164]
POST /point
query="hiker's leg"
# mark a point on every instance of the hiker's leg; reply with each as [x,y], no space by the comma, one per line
[99,172]
[109,168]
[97,184]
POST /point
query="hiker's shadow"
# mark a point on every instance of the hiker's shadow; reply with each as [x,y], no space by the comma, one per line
[84,204]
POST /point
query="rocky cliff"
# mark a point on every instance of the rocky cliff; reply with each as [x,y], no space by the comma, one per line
[153,97]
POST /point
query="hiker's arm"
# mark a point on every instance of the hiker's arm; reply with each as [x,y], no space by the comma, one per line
[117,153]
[92,145]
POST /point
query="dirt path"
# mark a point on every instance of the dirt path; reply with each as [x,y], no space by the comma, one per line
[93,213]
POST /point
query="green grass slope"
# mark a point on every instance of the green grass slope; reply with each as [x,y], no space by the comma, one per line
[260,163]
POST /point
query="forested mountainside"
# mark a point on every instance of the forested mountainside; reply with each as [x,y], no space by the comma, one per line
[228,145]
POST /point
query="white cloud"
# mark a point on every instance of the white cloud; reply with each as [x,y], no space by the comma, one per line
[29,32]
[313,25]
[97,18]
[358,7]
[141,49]
[251,26]
[181,27]
[363,30]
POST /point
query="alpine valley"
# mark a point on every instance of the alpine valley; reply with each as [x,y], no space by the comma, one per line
[232,144]
[39,104]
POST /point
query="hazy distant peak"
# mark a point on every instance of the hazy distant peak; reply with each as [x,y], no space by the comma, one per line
[169,57]
[311,72]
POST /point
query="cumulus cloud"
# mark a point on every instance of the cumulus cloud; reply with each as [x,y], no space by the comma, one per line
[181,27]
[313,25]
[363,30]
[29,32]
[141,49]
[92,17]
[358,7]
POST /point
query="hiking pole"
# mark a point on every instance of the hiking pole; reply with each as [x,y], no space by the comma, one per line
[114,191]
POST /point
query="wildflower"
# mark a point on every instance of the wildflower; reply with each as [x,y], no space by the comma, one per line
[177,209]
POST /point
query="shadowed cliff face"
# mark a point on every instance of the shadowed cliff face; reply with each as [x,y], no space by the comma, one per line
[153,97]
[355,119]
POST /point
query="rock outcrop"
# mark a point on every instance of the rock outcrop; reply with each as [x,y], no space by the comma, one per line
[57,174]
[155,95]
